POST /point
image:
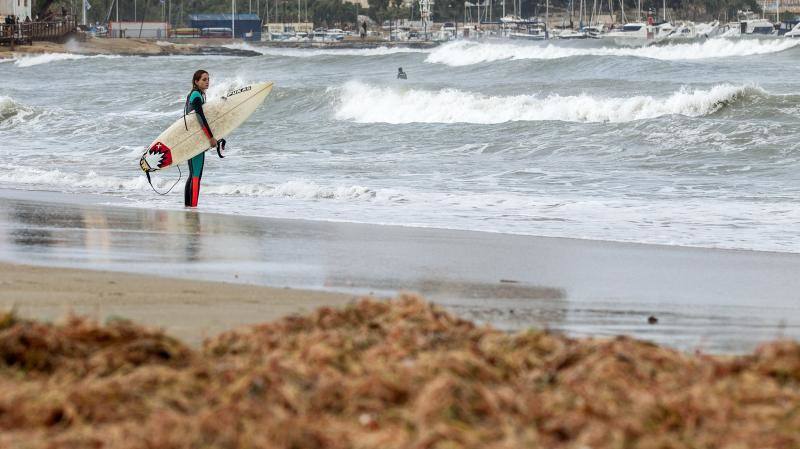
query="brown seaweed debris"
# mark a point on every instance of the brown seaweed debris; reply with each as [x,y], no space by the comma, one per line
[384,374]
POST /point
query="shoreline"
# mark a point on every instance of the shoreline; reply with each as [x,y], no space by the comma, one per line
[715,300]
[190,310]
[100,200]
[189,47]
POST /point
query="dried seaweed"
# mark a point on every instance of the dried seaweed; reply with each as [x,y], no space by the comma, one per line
[384,374]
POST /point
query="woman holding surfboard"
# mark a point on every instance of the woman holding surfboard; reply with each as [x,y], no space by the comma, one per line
[194,102]
[187,140]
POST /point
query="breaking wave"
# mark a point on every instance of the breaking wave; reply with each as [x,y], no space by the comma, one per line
[10,109]
[467,53]
[363,103]
[46,58]
[313,52]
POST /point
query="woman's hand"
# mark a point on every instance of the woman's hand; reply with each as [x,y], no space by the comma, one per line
[213,142]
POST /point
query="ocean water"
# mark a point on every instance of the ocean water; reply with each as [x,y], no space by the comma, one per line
[683,144]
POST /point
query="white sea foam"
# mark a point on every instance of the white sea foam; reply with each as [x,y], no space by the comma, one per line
[306,190]
[46,58]
[30,61]
[13,110]
[73,181]
[220,86]
[463,53]
[172,44]
[312,52]
[369,104]
[145,116]
[91,181]
[8,108]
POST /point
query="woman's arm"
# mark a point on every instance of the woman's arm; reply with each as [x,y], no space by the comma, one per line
[197,105]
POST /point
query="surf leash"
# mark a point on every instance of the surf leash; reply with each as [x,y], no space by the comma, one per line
[220,148]
[149,181]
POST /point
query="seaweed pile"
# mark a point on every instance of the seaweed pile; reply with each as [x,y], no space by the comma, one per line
[383,374]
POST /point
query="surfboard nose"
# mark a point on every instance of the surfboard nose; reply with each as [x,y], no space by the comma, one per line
[158,156]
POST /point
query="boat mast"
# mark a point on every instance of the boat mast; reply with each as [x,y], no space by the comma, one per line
[547,20]
[611,10]
[571,12]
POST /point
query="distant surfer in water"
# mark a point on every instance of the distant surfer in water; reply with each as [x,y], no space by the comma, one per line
[401,75]
[194,102]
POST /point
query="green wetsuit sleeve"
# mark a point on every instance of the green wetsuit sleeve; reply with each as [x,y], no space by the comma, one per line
[196,102]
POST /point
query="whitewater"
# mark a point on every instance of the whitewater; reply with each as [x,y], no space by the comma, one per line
[683,144]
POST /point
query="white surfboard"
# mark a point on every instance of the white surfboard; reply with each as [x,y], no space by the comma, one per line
[178,144]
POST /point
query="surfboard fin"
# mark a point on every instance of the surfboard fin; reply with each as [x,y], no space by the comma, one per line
[220,148]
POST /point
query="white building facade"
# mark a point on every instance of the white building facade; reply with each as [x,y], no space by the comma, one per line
[19,8]
[146,30]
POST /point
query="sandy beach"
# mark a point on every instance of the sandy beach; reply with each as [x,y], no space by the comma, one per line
[706,299]
[189,310]
[520,245]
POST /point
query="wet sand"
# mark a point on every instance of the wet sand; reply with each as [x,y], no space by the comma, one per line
[707,299]
[190,310]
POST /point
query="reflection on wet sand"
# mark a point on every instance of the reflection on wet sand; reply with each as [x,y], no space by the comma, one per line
[505,304]
[711,299]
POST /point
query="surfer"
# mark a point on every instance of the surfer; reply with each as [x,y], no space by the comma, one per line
[401,75]
[194,102]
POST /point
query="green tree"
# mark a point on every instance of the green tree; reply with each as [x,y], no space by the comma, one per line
[378,10]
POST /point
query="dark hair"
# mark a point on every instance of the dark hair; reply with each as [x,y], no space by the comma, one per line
[196,77]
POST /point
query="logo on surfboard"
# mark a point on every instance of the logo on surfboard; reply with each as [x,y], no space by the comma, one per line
[158,156]
[238,91]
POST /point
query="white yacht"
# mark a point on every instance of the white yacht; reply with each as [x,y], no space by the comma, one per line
[794,32]
[748,22]
[684,30]
[595,31]
[710,29]
[528,30]
[571,34]
[632,31]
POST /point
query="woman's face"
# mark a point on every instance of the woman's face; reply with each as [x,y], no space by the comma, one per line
[202,83]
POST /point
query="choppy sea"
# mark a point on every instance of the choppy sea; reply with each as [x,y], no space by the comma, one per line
[683,144]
